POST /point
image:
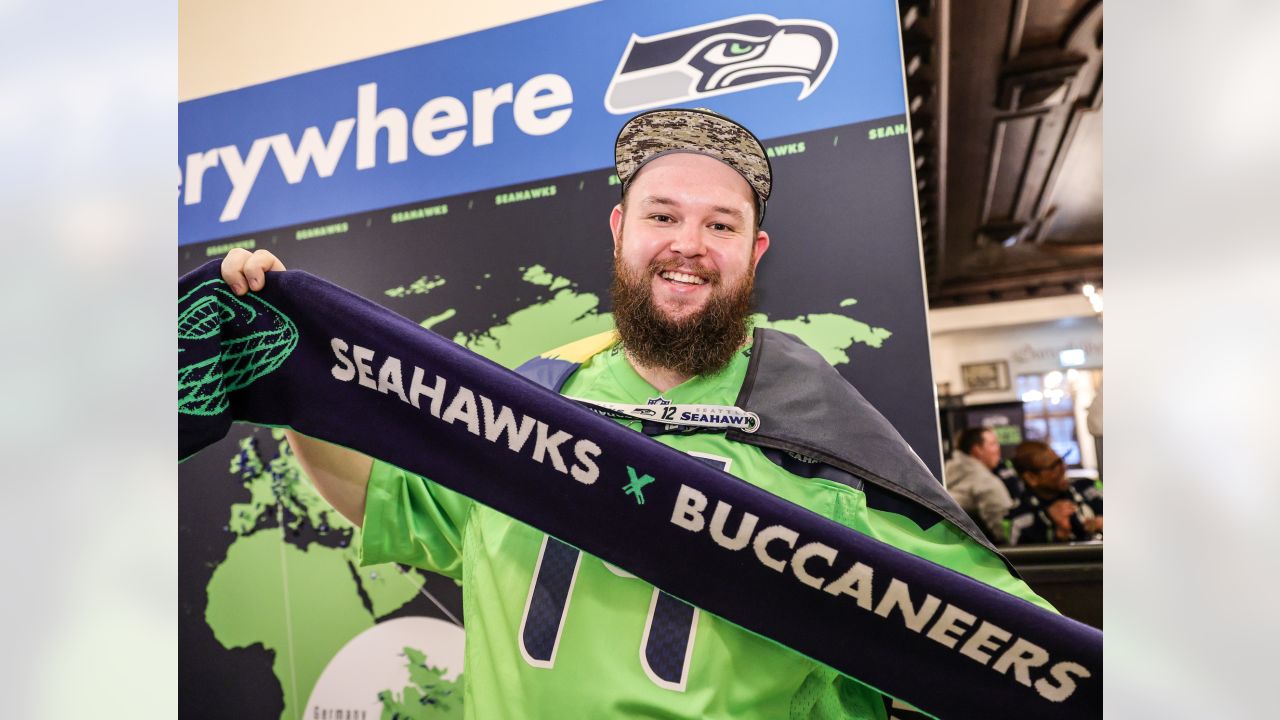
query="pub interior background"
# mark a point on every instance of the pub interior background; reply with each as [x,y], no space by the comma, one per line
[1006,113]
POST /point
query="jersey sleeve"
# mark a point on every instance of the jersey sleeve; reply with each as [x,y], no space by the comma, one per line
[828,695]
[949,547]
[411,520]
[1024,526]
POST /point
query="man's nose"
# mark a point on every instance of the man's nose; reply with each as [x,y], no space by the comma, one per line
[688,241]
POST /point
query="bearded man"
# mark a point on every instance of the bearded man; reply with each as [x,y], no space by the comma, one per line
[554,632]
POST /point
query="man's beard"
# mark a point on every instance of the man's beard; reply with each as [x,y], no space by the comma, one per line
[699,344]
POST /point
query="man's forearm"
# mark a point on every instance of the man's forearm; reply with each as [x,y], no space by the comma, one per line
[341,475]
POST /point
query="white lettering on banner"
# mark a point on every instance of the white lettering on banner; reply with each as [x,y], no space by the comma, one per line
[197,164]
[950,624]
[488,420]
[369,120]
[243,174]
[542,93]
[439,115]
[483,103]
[311,149]
[540,106]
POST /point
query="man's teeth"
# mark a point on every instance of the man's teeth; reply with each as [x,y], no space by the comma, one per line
[684,278]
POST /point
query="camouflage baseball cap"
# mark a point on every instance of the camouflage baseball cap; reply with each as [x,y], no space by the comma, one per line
[655,133]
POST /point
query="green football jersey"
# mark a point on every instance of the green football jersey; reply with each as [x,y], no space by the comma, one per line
[552,632]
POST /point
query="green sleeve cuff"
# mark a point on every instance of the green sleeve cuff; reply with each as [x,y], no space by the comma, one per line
[411,520]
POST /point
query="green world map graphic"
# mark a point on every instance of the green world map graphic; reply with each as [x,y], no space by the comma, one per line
[303,604]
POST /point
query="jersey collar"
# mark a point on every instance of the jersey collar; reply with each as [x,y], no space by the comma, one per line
[719,387]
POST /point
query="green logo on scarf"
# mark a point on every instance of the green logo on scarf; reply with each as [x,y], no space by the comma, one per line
[637,485]
[254,339]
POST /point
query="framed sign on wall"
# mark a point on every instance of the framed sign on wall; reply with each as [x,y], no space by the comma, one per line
[986,376]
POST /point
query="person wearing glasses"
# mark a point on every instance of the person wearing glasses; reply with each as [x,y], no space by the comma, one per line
[1052,506]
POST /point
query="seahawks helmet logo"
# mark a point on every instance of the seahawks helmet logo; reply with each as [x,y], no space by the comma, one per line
[721,57]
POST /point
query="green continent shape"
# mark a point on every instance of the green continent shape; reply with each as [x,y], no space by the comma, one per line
[428,696]
[831,334]
[437,319]
[388,586]
[421,286]
[565,317]
[539,275]
[303,616]
[279,484]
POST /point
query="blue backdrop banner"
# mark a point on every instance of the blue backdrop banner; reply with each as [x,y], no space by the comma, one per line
[534,99]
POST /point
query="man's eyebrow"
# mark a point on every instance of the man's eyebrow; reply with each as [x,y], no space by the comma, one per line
[735,214]
[668,202]
[658,200]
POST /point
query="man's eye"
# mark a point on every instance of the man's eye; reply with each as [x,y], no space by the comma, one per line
[661,218]
[721,227]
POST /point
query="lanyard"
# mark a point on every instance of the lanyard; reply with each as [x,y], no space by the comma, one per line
[713,417]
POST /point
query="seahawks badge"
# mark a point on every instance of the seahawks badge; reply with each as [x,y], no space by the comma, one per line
[725,56]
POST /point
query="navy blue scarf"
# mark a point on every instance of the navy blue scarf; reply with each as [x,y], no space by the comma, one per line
[308,355]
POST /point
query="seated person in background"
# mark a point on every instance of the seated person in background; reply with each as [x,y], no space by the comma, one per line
[1009,476]
[1052,507]
[975,487]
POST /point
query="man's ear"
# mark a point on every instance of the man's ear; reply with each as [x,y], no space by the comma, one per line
[762,244]
[615,226]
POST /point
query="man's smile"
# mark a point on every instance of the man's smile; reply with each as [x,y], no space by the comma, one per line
[682,278]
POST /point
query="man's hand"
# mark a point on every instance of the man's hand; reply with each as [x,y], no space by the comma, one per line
[1061,512]
[245,271]
[1093,524]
